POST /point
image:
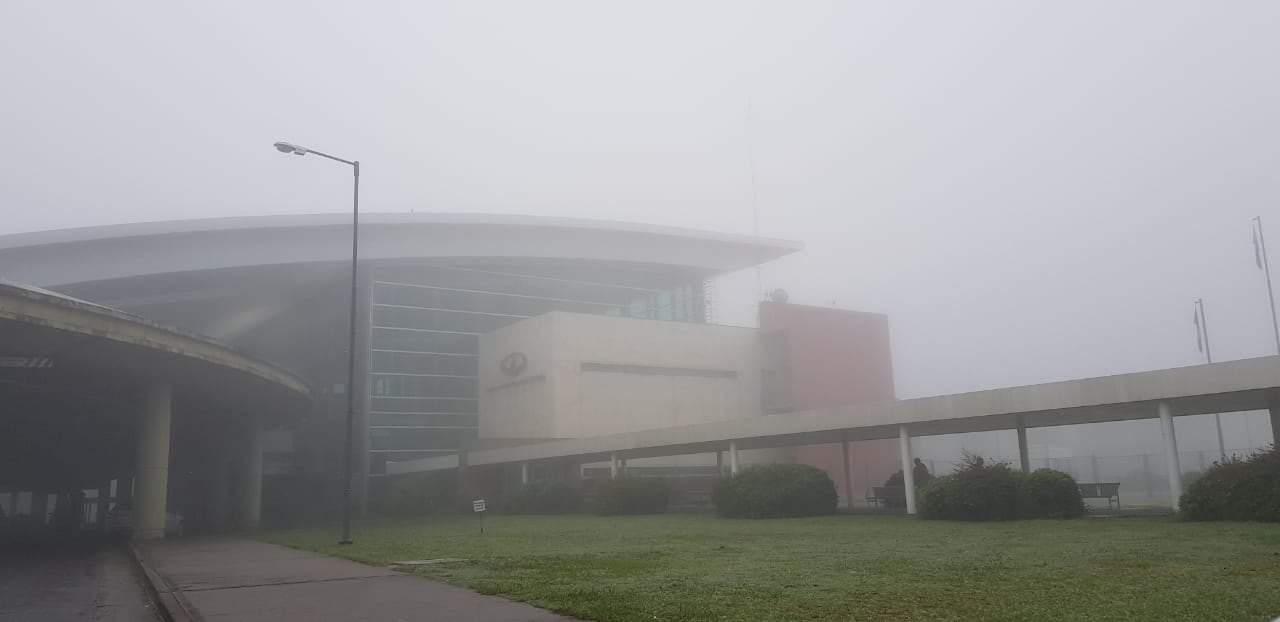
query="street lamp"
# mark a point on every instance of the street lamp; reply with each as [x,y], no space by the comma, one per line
[1264,264]
[284,147]
[1202,342]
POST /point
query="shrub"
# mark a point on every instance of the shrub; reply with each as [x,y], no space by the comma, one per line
[975,492]
[895,481]
[543,498]
[1236,489]
[1190,477]
[1047,493]
[776,491]
[640,495]
[417,493]
[922,477]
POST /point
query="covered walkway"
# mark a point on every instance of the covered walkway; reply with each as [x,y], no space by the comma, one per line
[1234,386]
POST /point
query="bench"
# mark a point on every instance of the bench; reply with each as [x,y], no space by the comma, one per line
[888,495]
[1101,490]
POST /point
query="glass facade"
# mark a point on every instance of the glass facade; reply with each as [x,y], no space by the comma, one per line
[425,323]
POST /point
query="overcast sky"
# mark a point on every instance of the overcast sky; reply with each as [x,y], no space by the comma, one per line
[1032,191]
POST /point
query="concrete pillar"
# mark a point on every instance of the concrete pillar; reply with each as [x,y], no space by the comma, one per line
[40,506]
[848,476]
[250,488]
[218,488]
[1171,455]
[908,475]
[733,458]
[1275,425]
[613,466]
[104,505]
[524,472]
[1024,453]
[151,466]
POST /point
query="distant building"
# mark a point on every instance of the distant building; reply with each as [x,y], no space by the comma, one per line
[471,329]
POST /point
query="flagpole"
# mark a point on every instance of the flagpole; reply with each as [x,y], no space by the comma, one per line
[1260,253]
[1202,328]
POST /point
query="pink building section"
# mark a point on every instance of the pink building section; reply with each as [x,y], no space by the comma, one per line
[835,357]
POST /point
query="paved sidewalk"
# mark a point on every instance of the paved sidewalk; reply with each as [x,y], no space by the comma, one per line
[248,581]
[71,581]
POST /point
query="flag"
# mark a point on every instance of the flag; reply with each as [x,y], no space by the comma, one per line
[1257,250]
[1199,340]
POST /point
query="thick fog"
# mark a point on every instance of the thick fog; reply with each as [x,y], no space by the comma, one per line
[1031,191]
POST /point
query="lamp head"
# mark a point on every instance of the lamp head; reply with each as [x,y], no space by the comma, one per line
[284,147]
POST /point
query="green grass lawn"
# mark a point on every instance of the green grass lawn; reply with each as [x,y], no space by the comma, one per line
[666,568]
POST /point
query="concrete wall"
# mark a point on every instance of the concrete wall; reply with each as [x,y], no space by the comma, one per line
[588,375]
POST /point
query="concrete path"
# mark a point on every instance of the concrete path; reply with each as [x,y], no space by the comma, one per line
[72,581]
[249,581]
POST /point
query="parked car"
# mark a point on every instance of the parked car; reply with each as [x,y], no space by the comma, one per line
[120,521]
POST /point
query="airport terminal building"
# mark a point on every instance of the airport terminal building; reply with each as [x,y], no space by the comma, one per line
[471,330]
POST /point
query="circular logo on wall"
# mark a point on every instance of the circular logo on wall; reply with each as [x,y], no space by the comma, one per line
[513,364]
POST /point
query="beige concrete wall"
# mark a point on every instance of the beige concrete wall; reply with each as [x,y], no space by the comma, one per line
[655,374]
[520,406]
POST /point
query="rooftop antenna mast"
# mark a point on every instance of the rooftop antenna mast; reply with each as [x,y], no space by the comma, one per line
[755,197]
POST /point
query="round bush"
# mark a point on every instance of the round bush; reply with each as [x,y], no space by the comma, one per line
[776,491]
[974,493]
[1236,489]
[640,495]
[1047,493]
[543,498]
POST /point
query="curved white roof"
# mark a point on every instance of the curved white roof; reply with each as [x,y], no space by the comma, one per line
[115,251]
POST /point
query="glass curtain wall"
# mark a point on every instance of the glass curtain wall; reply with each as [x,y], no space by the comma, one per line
[425,328]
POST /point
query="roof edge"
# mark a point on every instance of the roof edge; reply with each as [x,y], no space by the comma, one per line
[232,223]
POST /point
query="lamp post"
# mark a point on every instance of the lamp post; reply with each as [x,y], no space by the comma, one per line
[1202,342]
[351,342]
[1264,264]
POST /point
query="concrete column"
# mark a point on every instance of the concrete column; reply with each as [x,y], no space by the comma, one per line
[733,458]
[848,476]
[151,467]
[40,506]
[1275,425]
[1171,455]
[613,466]
[104,505]
[250,488]
[1024,454]
[908,475]
[524,472]
[218,491]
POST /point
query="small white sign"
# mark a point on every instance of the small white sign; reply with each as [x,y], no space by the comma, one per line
[477,505]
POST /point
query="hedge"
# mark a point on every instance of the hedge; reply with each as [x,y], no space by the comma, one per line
[543,498]
[1236,489]
[1047,493]
[776,491]
[639,495]
[980,492]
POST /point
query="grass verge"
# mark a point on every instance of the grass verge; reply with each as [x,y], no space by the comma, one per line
[676,567]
